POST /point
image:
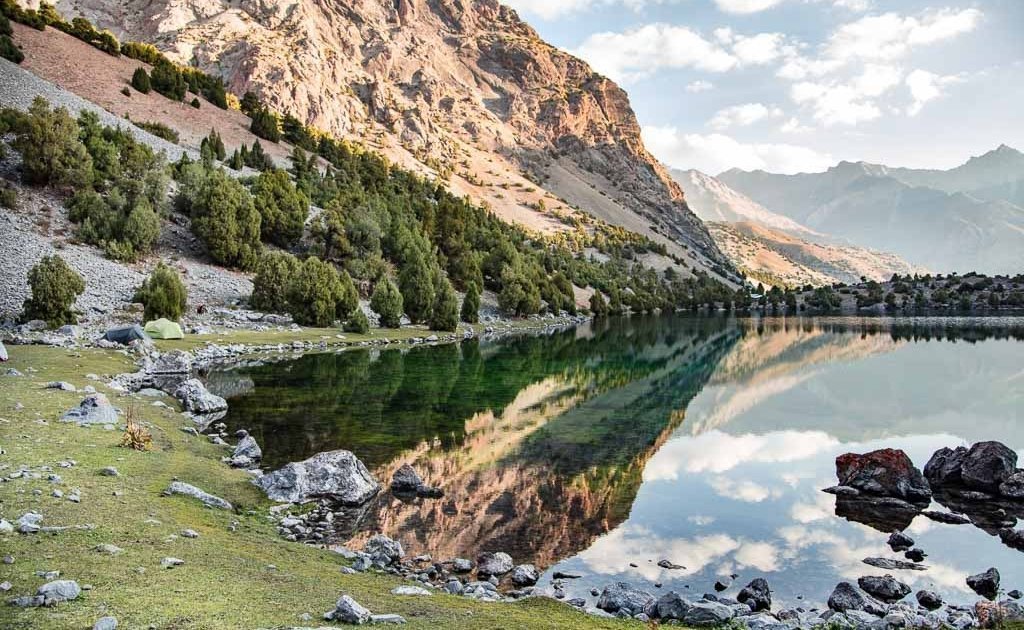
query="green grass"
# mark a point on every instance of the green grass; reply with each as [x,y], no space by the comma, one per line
[226,581]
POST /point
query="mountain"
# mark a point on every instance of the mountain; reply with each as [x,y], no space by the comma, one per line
[774,249]
[919,215]
[462,89]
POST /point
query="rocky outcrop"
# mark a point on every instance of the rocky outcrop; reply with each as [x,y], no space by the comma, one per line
[173,362]
[195,398]
[247,452]
[886,472]
[988,467]
[335,475]
[493,563]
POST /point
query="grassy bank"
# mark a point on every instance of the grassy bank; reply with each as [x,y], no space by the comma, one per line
[247,578]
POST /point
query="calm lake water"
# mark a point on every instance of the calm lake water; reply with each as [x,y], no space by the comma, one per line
[702,441]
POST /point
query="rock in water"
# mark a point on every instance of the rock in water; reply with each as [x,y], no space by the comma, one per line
[384,551]
[1013,486]
[886,588]
[336,475]
[622,596]
[846,597]
[944,466]
[406,480]
[898,541]
[756,595]
[247,452]
[890,564]
[173,362]
[194,397]
[988,464]
[886,472]
[94,409]
[985,584]
[493,563]
[348,610]
[525,575]
[178,487]
[929,599]
[1012,537]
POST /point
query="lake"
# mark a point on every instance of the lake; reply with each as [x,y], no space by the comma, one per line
[600,450]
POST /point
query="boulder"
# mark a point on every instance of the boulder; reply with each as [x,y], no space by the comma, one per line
[173,362]
[3,353]
[406,480]
[985,584]
[672,605]
[178,487]
[1013,486]
[335,475]
[623,597]
[348,610]
[944,466]
[756,595]
[987,465]
[384,551]
[59,591]
[525,575]
[462,565]
[247,452]
[105,623]
[194,397]
[847,597]
[1012,537]
[890,564]
[94,409]
[493,563]
[929,599]
[886,588]
[898,541]
[705,613]
[407,590]
[885,472]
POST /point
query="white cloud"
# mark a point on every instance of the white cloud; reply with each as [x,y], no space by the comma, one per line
[743,115]
[642,51]
[745,6]
[759,49]
[926,86]
[891,35]
[714,153]
[833,104]
[853,5]
[793,125]
[743,490]
[699,85]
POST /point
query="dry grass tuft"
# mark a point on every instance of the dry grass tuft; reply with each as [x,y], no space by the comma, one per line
[135,436]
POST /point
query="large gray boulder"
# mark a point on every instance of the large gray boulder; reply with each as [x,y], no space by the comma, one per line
[194,397]
[493,563]
[188,490]
[1013,486]
[173,362]
[525,575]
[929,599]
[988,464]
[672,605]
[985,584]
[706,613]
[348,610]
[623,597]
[406,480]
[247,452]
[336,475]
[944,466]
[885,588]
[94,409]
[384,551]
[847,597]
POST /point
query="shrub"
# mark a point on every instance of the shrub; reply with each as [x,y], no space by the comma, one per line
[166,79]
[315,293]
[55,286]
[445,314]
[283,209]
[8,196]
[9,50]
[598,307]
[417,287]
[518,295]
[123,227]
[194,103]
[51,152]
[357,322]
[126,91]
[265,125]
[471,305]
[159,130]
[163,294]
[274,275]
[386,301]
[224,218]
[212,146]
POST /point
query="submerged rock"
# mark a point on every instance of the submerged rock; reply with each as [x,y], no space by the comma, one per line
[885,472]
[885,588]
[890,564]
[757,595]
[898,541]
[94,409]
[335,475]
[985,584]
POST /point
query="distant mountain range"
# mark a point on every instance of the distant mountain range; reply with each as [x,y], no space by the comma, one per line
[969,218]
[775,249]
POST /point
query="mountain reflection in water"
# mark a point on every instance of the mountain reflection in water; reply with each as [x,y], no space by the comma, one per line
[703,441]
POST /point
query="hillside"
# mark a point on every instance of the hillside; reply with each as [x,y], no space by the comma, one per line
[944,228]
[468,91]
[775,249]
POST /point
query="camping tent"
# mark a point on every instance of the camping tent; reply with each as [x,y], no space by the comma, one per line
[163,329]
[126,334]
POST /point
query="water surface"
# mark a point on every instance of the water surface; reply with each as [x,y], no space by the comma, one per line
[702,441]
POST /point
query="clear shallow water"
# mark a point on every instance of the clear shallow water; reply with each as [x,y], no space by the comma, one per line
[702,441]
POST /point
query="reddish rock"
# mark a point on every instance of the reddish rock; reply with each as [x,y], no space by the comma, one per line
[886,472]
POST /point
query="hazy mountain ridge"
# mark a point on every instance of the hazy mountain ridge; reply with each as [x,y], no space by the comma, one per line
[962,219]
[775,249]
[465,89]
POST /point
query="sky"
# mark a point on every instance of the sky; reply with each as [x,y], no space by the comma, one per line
[797,85]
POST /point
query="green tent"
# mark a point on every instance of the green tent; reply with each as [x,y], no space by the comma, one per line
[164,329]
